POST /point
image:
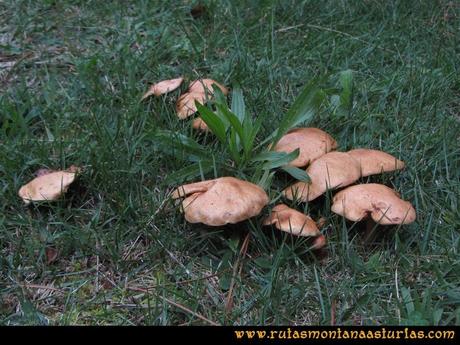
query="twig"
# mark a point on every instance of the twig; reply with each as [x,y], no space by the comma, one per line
[184,308]
[180,306]
[43,287]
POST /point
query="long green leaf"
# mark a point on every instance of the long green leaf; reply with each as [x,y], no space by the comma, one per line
[238,106]
[190,172]
[172,143]
[297,173]
[214,123]
[275,163]
[346,96]
[302,110]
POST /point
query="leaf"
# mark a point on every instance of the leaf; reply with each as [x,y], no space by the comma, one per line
[235,124]
[285,159]
[51,254]
[407,300]
[346,96]
[268,156]
[189,172]
[238,107]
[302,110]
[214,123]
[298,174]
[171,143]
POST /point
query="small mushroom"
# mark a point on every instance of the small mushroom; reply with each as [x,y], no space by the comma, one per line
[287,219]
[375,162]
[200,125]
[49,186]
[186,107]
[205,86]
[380,202]
[199,90]
[330,171]
[163,87]
[225,200]
[311,142]
[319,242]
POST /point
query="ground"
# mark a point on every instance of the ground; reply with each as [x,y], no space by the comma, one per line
[116,250]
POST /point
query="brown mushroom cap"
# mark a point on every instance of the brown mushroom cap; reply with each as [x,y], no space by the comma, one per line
[186,107]
[287,219]
[382,203]
[319,242]
[221,201]
[200,125]
[375,162]
[163,87]
[49,186]
[205,85]
[311,142]
[332,170]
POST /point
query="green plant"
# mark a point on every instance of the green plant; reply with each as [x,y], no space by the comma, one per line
[240,152]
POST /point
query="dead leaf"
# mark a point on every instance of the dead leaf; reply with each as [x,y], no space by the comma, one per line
[51,255]
[163,87]
[49,186]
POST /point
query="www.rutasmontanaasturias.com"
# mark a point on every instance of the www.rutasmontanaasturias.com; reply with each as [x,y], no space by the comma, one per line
[338,333]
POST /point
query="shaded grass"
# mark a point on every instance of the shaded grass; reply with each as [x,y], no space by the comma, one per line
[72,97]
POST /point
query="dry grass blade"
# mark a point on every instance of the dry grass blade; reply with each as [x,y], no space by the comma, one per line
[236,272]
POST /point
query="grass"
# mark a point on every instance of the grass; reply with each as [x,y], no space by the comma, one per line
[71,77]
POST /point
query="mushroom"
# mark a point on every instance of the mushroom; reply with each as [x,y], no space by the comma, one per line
[205,85]
[48,186]
[311,142]
[287,219]
[380,202]
[199,90]
[330,171]
[225,200]
[186,103]
[163,87]
[375,162]
[200,125]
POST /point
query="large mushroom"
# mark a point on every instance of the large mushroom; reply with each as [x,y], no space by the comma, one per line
[296,223]
[225,200]
[311,142]
[48,185]
[330,171]
[380,202]
[375,161]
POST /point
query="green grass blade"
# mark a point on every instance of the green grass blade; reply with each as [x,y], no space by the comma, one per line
[238,106]
[297,173]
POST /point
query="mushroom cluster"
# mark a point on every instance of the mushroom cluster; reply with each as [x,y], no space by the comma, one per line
[334,170]
[199,90]
[229,200]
